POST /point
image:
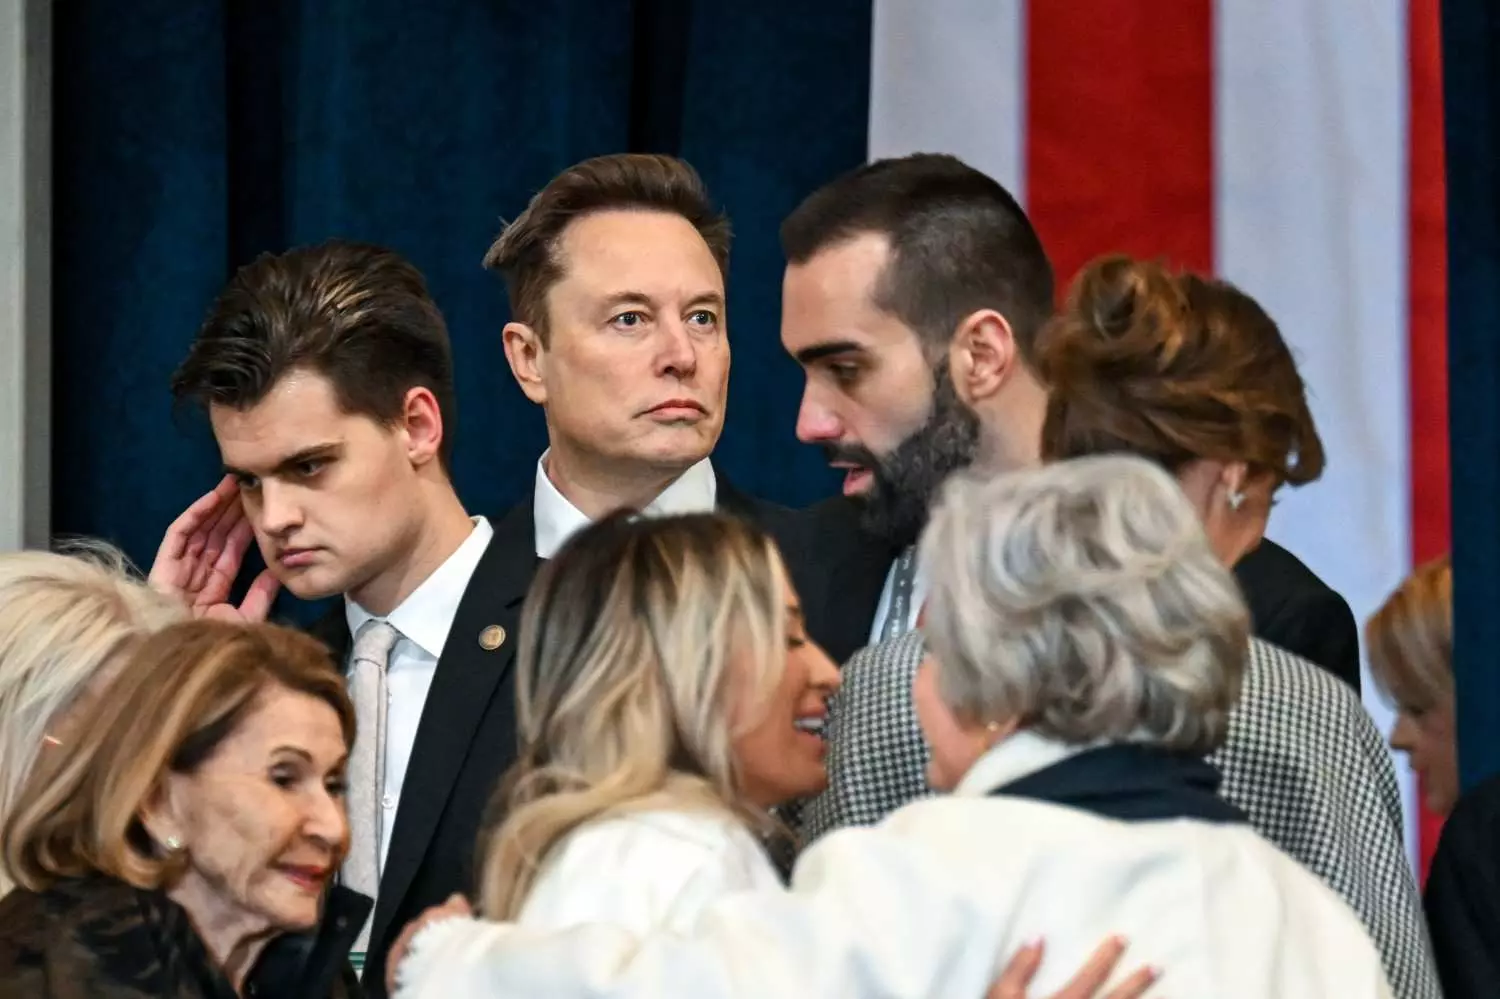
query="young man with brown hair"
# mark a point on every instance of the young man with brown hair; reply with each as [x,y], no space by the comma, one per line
[328,379]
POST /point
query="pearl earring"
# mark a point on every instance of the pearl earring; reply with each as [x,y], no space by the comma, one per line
[1236,499]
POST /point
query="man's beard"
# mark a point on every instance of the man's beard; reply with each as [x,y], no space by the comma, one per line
[905,481]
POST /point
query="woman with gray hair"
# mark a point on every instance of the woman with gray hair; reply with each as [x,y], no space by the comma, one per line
[1087,647]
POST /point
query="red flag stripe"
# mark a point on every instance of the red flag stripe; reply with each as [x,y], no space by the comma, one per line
[1427,281]
[1119,142]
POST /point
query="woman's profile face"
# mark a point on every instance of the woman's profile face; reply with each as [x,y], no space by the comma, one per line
[262,820]
[779,743]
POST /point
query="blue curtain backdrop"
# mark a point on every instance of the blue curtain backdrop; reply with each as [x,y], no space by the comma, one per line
[1471,96]
[190,137]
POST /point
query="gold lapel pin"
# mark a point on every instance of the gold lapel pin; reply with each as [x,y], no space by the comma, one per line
[492,638]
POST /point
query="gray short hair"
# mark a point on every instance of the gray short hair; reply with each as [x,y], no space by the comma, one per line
[1083,600]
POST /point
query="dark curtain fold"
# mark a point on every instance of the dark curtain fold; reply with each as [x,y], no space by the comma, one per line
[1471,96]
[191,137]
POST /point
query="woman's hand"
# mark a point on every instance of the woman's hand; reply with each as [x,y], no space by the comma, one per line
[456,905]
[1086,984]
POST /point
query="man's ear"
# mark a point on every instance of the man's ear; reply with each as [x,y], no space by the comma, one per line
[422,418]
[981,356]
[527,356]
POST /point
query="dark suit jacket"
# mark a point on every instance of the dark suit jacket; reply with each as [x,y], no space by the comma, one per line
[1463,896]
[467,737]
[1289,605]
[464,742]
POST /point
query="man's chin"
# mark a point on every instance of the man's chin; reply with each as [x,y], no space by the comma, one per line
[315,583]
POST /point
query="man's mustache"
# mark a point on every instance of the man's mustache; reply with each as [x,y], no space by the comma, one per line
[851,454]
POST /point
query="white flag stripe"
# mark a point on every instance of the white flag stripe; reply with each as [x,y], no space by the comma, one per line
[1310,218]
[948,76]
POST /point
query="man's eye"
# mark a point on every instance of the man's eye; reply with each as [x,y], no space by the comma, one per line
[844,374]
[628,320]
[703,317]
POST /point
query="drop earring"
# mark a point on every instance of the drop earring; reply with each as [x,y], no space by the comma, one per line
[173,844]
[1236,499]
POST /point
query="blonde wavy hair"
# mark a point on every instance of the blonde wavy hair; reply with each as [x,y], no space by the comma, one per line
[181,693]
[637,640]
[1410,640]
[67,620]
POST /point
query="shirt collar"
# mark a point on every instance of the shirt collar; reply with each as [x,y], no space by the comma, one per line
[426,615]
[1017,755]
[557,519]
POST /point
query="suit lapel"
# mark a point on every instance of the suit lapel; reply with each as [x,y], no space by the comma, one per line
[469,675]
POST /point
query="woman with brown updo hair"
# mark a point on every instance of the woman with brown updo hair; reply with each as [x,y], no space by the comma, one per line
[1192,374]
[1217,400]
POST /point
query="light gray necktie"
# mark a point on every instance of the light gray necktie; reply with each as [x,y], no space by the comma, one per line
[902,582]
[372,653]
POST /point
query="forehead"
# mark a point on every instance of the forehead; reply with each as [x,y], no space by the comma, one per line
[659,253]
[830,297]
[282,717]
[300,411]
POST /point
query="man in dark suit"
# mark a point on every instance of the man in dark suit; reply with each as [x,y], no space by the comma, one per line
[890,271]
[327,376]
[615,273]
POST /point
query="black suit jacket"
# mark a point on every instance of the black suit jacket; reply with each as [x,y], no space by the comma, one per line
[1463,896]
[467,736]
[465,740]
[1289,605]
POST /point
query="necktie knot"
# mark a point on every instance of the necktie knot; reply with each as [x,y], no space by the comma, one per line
[374,642]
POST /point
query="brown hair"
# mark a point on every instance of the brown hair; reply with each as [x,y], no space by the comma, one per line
[527,253]
[959,243]
[1410,639]
[179,695]
[1173,367]
[357,314]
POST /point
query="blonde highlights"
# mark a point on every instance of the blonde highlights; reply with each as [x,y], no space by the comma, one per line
[182,692]
[1410,639]
[67,620]
[636,642]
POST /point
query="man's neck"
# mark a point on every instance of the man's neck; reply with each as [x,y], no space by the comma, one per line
[597,491]
[1011,434]
[444,526]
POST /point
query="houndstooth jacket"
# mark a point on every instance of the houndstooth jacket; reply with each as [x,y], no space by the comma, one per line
[1302,759]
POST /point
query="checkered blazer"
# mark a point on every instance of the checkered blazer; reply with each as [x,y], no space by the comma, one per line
[1302,759]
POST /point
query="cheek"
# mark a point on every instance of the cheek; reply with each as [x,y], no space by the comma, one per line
[238,832]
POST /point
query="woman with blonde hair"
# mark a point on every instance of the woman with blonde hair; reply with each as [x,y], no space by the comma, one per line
[1087,651]
[182,841]
[67,621]
[667,698]
[1410,645]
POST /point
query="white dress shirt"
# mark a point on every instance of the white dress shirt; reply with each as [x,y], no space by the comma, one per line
[938,897]
[423,619]
[913,609]
[557,519]
[645,871]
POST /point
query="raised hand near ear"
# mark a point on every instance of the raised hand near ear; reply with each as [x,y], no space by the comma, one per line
[202,553]
[1086,984]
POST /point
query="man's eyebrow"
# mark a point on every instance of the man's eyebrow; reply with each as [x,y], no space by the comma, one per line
[296,458]
[832,348]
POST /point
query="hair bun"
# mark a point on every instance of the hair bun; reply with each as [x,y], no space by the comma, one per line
[1123,319]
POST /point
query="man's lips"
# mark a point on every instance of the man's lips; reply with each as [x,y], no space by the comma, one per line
[678,409]
[294,557]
